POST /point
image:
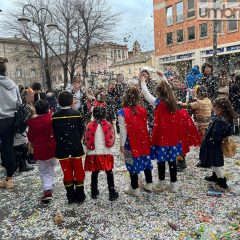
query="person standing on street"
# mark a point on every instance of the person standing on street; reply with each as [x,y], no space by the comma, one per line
[9,99]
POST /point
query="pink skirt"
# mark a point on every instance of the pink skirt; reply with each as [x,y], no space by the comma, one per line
[98,163]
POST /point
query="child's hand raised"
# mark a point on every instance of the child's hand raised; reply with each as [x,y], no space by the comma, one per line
[142,77]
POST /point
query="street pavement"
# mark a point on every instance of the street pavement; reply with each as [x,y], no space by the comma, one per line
[188,214]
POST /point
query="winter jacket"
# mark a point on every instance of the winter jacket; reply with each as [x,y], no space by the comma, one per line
[68,132]
[211,154]
[40,135]
[9,97]
[193,77]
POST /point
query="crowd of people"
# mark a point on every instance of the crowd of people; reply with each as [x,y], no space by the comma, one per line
[76,128]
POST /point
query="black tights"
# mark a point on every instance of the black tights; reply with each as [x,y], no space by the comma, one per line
[134,178]
[172,169]
[110,180]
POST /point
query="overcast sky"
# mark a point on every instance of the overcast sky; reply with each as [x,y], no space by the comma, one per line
[136,20]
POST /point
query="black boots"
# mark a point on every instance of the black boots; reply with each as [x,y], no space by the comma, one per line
[94,185]
[71,194]
[76,195]
[212,178]
[113,195]
[222,182]
[80,194]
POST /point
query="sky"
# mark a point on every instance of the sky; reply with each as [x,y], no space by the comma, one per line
[136,22]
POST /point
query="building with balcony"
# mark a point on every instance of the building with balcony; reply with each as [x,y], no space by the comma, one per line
[183,32]
[23,65]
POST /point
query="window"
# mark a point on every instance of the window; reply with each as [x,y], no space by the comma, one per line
[179,12]
[115,54]
[123,54]
[232,24]
[219,26]
[191,33]
[33,72]
[111,54]
[119,54]
[60,78]
[129,71]
[203,30]
[169,13]
[169,38]
[18,72]
[180,36]
[190,8]
[203,6]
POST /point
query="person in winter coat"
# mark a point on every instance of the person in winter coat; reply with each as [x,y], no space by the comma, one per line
[9,100]
[38,92]
[234,97]
[40,135]
[209,81]
[52,101]
[211,153]
[191,81]
[68,130]
[99,139]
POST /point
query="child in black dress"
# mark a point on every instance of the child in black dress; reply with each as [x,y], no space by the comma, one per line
[211,153]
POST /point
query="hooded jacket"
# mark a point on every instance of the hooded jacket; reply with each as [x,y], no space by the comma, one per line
[9,97]
[193,77]
[40,134]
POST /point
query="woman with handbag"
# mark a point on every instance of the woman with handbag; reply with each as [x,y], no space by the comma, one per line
[9,99]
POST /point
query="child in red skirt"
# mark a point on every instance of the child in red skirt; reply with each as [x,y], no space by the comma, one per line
[99,138]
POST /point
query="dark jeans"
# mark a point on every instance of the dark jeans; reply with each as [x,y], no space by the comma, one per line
[21,155]
[7,153]
[110,181]
[134,178]
[172,169]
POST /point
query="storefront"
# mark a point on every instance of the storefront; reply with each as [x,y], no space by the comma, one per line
[181,63]
[228,58]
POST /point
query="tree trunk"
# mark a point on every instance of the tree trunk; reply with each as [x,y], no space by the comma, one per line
[84,70]
[48,78]
[65,74]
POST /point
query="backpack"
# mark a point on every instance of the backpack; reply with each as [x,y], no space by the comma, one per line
[21,117]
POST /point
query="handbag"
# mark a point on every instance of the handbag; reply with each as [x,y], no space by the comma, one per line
[229,147]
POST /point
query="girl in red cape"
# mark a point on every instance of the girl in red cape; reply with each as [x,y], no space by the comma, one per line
[99,138]
[135,140]
[166,140]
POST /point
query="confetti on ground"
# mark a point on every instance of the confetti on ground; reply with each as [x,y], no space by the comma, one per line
[188,214]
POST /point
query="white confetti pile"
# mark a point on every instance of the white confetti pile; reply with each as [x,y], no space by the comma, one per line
[189,214]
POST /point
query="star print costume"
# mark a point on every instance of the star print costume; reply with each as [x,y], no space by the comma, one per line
[135,139]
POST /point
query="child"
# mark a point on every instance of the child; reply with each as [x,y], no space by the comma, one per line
[201,109]
[40,135]
[135,140]
[211,149]
[68,131]
[165,137]
[99,138]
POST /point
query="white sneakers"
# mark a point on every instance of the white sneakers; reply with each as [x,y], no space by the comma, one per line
[174,187]
[148,187]
[133,192]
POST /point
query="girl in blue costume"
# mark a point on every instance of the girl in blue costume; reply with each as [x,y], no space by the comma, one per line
[166,136]
[135,140]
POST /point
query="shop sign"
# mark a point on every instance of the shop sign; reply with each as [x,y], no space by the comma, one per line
[184,56]
[233,48]
[219,50]
[168,59]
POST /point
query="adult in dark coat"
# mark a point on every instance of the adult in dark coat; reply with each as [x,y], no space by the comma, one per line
[209,81]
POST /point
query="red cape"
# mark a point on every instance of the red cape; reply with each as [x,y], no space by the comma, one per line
[136,124]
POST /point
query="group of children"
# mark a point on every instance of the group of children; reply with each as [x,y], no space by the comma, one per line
[59,135]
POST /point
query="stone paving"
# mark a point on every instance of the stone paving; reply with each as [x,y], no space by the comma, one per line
[188,214]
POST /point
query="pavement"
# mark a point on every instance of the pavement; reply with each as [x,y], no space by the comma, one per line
[188,214]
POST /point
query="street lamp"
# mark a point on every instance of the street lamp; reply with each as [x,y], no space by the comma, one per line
[25,20]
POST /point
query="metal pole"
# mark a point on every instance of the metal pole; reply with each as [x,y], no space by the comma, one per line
[215,32]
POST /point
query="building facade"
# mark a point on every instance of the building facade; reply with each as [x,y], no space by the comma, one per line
[101,57]
[183,39]
[137,60]
[23,66]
